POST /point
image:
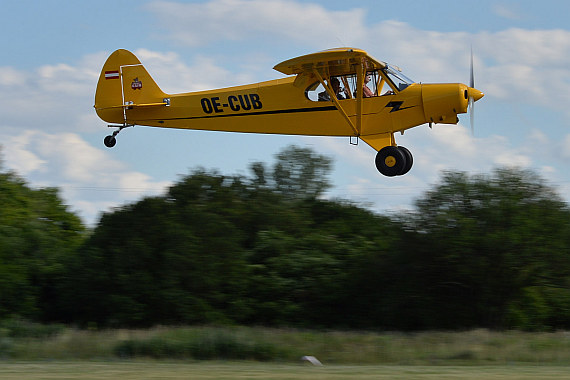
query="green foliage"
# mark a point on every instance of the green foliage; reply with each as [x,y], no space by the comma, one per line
[300,173]
[209,344]
[473,347]
[18,328]
[495,245]
[488,251]
[37,235]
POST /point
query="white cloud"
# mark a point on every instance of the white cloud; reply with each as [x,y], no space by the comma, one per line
[76,160]
[195,24]
[89,177]
[527,47]
[52,97]
[173,75]
[450,147]
[515,65]
[19,157]
[10,77]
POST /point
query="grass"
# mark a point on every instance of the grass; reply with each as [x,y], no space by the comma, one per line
[131,370]
[476,347]
[33,352]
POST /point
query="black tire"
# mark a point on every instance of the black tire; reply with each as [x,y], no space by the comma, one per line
[110,141]
[409,160]
[390,161]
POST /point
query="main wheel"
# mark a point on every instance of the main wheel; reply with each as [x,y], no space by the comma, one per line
[409,160]
[110,141]
[391,161]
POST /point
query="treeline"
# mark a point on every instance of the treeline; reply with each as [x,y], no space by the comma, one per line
[487,251]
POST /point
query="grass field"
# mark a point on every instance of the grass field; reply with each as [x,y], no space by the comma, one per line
[28,351]
[475,347]
[131,370]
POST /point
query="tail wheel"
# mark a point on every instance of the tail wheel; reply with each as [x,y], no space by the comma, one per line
[409,160]
[110,141]
[391,161]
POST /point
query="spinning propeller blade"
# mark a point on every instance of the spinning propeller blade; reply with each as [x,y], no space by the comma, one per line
[471,99]
[471,78]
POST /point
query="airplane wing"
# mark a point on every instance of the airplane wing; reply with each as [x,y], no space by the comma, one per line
[331,62]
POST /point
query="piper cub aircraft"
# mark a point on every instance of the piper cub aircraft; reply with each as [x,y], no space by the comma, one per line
[337,92]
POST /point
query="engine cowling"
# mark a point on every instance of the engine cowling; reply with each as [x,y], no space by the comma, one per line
[443,102]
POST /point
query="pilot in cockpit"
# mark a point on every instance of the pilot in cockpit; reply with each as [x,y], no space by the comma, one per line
[366,91]
[340,93]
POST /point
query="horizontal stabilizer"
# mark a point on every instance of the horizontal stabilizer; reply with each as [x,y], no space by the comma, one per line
[166,103]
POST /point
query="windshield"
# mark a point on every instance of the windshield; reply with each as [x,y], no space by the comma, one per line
[400,80]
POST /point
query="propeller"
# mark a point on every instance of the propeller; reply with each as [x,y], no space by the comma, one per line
[471,103]
[473,95]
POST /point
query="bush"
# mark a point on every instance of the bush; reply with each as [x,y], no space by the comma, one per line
[17,328]
[209,345]
[6,344]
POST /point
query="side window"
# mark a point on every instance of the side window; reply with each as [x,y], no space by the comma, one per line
[347,87]
[377,84]
[313,91]
[384,88]
[343,86]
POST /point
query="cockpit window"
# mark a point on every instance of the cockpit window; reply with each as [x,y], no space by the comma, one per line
[313,91]
[400,80]
[341,85]
[374,81]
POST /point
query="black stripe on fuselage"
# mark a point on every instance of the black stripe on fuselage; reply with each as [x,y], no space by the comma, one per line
[275,112]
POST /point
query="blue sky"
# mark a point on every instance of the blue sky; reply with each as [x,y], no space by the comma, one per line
[53,50]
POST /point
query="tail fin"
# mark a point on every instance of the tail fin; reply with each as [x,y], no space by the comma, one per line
[124,81]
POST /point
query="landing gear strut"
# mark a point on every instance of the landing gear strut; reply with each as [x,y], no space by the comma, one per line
[110,140]
[394,160]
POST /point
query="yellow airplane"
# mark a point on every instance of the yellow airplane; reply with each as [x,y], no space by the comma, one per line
[337,92]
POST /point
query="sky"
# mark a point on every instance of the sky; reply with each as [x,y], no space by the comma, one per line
[52,52]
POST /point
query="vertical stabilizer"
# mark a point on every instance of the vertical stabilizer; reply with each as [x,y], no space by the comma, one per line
[124,81]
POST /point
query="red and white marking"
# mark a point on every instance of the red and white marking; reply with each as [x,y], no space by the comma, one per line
[112,75]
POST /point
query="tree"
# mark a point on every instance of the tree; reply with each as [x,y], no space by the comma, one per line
[37,235]
[222,249]
[174,259]
[301,173]
[493,248]
[478,251]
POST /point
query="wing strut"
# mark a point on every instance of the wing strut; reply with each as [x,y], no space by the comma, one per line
[359,95]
